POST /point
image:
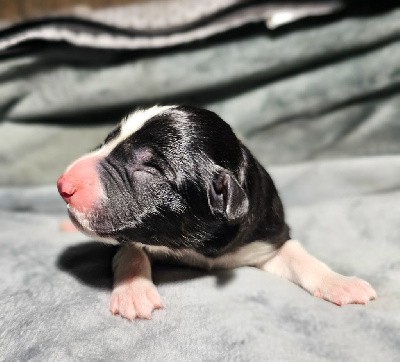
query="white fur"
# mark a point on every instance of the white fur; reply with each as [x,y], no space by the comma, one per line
[291,261]
[134,295]
[129,125]
[254,254]
[294,263]
[133,122]
[84,226]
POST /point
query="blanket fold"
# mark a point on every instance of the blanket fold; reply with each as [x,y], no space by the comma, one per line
[318,104]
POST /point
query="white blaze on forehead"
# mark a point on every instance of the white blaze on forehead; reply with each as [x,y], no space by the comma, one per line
[129,125]
[136,120]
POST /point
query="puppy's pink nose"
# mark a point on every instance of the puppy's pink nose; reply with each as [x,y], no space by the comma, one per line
[65,188]
[80,186]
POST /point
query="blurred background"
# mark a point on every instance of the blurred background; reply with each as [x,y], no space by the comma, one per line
[311,87]
[297,80]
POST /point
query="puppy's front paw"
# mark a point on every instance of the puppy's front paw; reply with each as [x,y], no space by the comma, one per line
[135,299]
[342,290]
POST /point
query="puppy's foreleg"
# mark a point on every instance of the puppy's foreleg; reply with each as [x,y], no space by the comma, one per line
[134,294]
[293,262]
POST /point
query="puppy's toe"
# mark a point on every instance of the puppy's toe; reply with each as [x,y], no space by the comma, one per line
[135,299]
[342,290]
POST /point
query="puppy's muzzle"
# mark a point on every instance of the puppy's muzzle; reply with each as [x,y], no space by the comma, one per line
[80,186]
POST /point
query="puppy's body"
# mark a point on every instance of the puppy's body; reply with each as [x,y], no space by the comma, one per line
[175,183]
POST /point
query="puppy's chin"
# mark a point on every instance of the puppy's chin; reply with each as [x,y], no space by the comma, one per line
[83,224]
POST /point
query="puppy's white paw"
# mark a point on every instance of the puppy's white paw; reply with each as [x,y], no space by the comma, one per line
[135,299]
[342,290]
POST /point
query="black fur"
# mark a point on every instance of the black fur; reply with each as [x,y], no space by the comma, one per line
[185,181]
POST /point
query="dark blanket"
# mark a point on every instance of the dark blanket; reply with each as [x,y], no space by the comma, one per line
[319,105]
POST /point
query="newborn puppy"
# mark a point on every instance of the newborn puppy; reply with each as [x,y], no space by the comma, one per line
[175,183]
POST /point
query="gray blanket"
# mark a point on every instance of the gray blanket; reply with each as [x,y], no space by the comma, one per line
[55,286]
[325,122]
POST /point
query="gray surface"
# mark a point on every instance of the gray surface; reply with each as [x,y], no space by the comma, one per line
[54,287]
[320,104]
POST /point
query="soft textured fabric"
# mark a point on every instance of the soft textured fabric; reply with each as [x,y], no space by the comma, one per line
[323,91]
[318,104]
[157,24]
[54,287]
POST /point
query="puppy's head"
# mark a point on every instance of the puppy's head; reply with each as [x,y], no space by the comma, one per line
[171,176]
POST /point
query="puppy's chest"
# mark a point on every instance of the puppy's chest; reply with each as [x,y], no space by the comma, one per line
[256,253]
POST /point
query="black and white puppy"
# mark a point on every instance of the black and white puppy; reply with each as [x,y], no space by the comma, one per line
[174,182]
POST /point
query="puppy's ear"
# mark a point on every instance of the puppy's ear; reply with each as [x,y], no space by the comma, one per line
[226,197]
